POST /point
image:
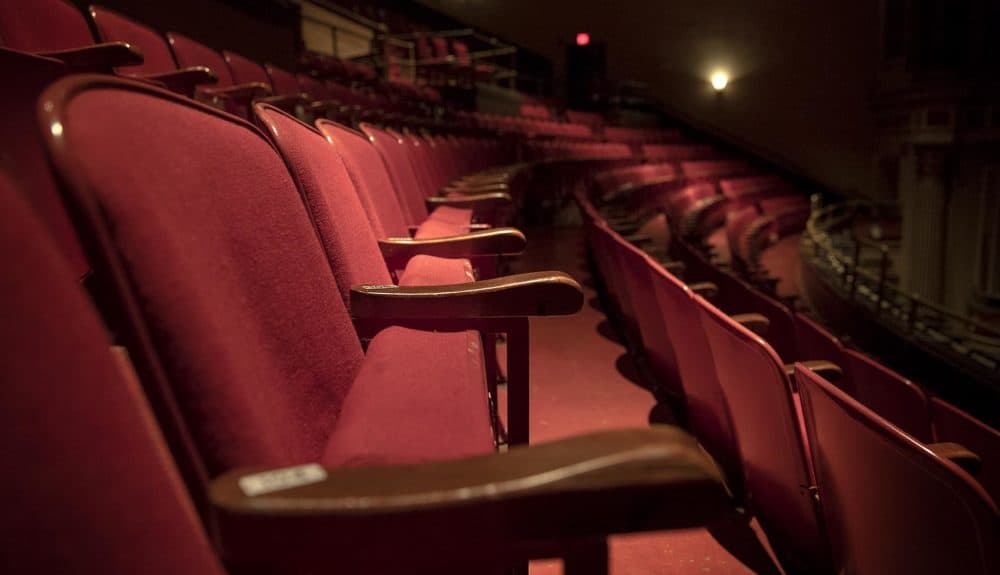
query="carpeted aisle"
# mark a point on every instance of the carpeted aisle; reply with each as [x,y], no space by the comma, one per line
[576,388]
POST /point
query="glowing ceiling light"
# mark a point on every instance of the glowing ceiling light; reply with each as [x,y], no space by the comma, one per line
[582,39]
[719,81]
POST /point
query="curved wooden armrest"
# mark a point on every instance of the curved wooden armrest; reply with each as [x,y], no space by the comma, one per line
[675,268]
[185,80]
[241,92]
[959,455]
[709,290]
[637,239]
[493,241]
[827,369]
[492,509]
[475,201]
[755,322]
[475,188]
[519,295]
[98,57]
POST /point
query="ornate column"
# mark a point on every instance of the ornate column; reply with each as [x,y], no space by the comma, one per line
[925,232]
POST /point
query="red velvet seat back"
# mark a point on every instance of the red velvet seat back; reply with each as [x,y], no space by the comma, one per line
[708,412]
[814,342]
[42,26]
[330,198]
[677,152]
[189,53]
[284,82]
[245,70]
[113,27]
[891,505]
[651,322]
[775,459]
[90,487]
[370,176]
[421,162]
[404,180]
[893,397]
[225,273]
[953,424]
[23,152]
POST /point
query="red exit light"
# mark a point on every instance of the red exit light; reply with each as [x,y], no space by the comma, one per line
[582,39]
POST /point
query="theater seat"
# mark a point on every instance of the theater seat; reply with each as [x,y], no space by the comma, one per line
[891,504]
[776,459]
[158,63]
[407,183]
[234,97]
[954,425]
[92,488]
[56,29]
[373,183]
[226,300]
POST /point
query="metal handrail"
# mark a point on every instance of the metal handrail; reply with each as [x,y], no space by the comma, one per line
[892,304]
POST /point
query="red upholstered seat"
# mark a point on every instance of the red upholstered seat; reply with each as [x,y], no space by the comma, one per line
[245,70]
[405,180]
[114,27]
[90,486]
[42,26]
[376,424]
[953,424]
[892,505]
[429,270]
[776,459]
[708,412]
[370,178]
[650,320]
[189,53]
[893,397]
[335,205]
[875,386]
[382,199]
[230,293]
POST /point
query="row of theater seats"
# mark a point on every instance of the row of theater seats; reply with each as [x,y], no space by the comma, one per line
[54,28]
[284,359]
[848,466]
[579,125]
[441,61]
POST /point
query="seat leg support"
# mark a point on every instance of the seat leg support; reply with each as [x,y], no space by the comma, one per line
[518,381]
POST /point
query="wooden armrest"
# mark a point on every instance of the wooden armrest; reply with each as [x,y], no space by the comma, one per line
[98,57]
[827,369]
[185,80]
[498,509]
[241,92]
[755,322]
[675,268]
[637,239]
[520,295]
[709,290]
[959,455]
[475,188]
[493,241]
[475,201]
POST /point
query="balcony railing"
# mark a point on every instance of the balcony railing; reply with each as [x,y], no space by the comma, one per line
[834,252]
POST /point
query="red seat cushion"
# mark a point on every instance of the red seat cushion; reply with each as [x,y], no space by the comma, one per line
[458,216]
[429,270]
[439,228]
[419,396]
